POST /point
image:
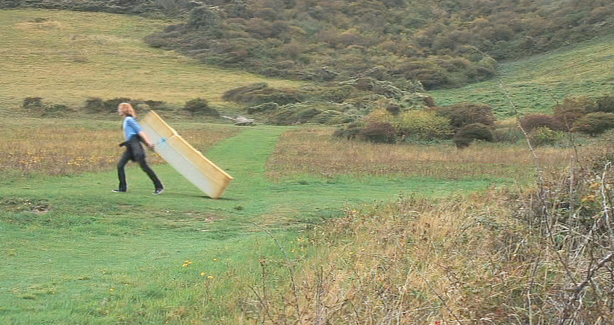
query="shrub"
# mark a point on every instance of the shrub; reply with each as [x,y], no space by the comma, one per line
[94,105]
[307,114]
[283,116]
[158,105]
[328,117]
[379,116]
[605,104]
[508,134]
[545,136]
[476,131]
[463,114]
[594,123]
[32,103]
[200,106]
[110,105]
[571,109]
[534,121]
[262,108]
[423,125]
[378,133]
[203,18]
[237,94]
[350,131]
[260,93]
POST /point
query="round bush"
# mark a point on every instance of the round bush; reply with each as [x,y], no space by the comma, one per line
[469,133]
[464,114]
[423,125]
[378,133]
[545,136]
[32,103]
[534,121]
[200,106]
[595,123]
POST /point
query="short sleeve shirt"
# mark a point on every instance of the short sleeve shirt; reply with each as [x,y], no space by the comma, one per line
[131,127]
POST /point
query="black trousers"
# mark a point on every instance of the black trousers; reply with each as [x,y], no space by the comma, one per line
[135,152]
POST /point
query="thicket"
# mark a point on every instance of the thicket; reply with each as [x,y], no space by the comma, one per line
[329,103]
[465,123]
[440,43]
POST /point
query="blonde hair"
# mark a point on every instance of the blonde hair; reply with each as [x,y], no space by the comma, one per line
[126,109]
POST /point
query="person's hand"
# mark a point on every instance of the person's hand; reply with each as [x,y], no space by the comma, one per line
[151,146]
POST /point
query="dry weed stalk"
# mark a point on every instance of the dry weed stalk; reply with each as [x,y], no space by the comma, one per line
[572,212]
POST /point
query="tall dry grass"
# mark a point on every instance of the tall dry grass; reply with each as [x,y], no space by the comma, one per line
[315,151]
[460,261]
[59,148]
[540,255]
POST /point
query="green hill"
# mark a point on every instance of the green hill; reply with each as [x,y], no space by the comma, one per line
[538,82]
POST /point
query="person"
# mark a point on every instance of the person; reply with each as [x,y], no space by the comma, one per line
[134,134]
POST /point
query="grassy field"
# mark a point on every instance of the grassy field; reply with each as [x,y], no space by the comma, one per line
[66,57]
[76,253]
[538,82]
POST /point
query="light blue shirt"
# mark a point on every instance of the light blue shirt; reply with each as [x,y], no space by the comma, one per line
[131,127]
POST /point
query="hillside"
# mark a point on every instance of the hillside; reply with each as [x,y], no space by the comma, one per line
[66,57]
[441,43]
[539,82]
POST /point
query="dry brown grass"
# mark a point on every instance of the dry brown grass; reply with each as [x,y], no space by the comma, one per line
[57,147]
[315,151]
[458,261]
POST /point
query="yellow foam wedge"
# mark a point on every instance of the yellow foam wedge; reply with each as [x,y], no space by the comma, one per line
[188,161]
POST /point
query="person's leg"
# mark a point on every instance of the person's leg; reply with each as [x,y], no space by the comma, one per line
[121,173]
[152,175]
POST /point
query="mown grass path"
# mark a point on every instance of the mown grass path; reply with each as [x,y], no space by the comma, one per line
[97,257]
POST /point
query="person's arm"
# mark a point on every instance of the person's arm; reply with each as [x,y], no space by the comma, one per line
[146,140]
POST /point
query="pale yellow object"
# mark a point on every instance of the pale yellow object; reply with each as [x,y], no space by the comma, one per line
[188,161]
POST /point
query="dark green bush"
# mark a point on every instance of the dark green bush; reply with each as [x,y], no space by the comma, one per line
[349,131]
[110,105]
[463,114]
[605,104]
[32,103]
[594,123]
[200,106]
[94,105]
[158,105]
[469,133]
[203,18]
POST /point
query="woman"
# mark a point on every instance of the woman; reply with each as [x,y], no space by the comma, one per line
[134,151]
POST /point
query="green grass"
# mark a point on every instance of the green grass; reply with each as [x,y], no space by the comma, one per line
[66,57]
[538,82]
[99,257]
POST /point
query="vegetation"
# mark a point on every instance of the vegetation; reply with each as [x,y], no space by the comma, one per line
[77,56]
[405,228]
[541,81]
